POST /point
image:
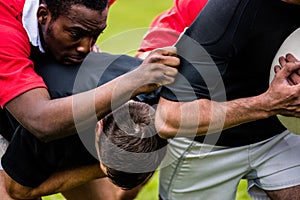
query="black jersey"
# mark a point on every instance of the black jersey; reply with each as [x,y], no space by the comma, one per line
[227,54]
[30,161]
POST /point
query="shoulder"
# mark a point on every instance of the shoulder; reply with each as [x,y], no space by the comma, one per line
[189,9]
[220,19]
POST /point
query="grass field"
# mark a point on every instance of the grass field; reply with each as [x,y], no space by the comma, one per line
[127,23]
[150,191]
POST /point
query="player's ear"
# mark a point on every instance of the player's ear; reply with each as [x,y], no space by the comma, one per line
[43,14]
[99,128]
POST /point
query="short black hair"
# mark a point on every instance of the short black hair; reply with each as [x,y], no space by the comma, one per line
[62,7]
[129,145]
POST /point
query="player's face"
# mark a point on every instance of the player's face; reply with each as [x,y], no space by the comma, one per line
[70,38]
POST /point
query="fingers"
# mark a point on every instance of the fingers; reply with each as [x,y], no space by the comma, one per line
[166,56]
[288,73]
[168,71]
[166,80]
[277,68]
[167,51]
[290,66]
[159,68]
[163,74]
[291,58]
[287,60]
[149,77]
[95,48]
[282,61]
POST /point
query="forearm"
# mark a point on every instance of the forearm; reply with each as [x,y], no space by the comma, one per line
[203,116]
[51,119]
[58,182]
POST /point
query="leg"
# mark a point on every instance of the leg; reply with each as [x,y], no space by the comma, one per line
[285,194]
[276,166]
[192,170]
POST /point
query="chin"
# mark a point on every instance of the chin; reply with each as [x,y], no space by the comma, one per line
[63,60]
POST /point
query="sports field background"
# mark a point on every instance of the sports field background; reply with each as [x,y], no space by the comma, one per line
[127,23]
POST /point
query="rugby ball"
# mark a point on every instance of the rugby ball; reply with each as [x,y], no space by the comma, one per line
[290,45]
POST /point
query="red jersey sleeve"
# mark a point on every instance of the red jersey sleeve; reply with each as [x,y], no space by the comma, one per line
[16,69]
[165,28]
[110,2]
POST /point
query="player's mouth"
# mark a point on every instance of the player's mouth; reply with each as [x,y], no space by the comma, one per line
[75,59]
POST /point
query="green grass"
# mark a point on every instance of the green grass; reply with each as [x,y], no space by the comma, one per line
[150,191]
[127,23]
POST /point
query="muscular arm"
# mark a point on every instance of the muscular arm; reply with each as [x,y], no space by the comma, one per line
[58,182]
[50,119]
[203,116]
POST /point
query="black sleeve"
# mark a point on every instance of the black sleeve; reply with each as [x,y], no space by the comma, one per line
[205,49]
[96,69]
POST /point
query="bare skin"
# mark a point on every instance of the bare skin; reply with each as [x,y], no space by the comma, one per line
[285,194]
[178,118]
[281,98]
[3,191]
[50,119]
[294,79]
[288,60]
[59,181]
[194,118]
[70,38]
[101,189]
[296,2]
[75,183]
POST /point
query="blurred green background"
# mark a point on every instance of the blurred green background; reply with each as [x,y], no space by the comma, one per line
[128,21]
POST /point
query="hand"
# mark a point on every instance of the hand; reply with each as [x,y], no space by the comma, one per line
[95,48]
[142,54]
[159,68]
[294,78]
[283,95]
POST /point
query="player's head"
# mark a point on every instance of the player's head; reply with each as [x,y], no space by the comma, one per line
[71,27]
[129,147]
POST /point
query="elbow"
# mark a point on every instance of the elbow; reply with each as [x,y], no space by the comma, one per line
[167,118]
[43,130]
[19,194]
[14,190]
[165,127]
[166,133]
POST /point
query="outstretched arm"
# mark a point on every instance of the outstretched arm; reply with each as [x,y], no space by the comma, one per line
[50,119]
[203,116]
[58,182]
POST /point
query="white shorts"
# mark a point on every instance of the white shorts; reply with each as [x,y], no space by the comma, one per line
[3,147]
[193,171]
